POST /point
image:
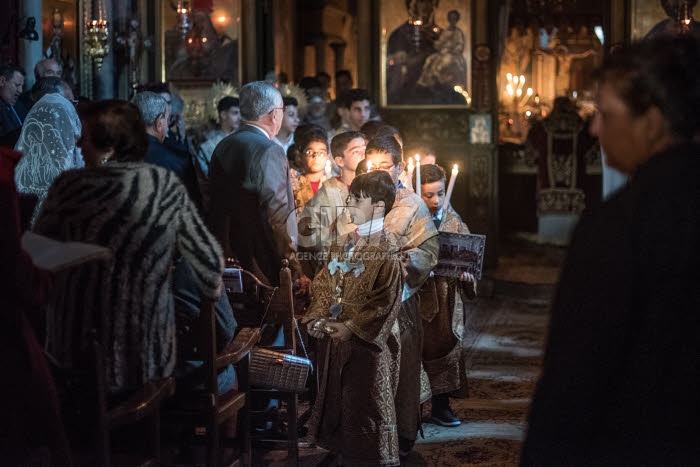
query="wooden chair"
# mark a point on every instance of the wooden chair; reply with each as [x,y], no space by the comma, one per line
[257,303]
[84,399]
[203,410]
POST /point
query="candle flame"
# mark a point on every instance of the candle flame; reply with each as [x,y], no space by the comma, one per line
[417,156]
[455,170]
[369,166]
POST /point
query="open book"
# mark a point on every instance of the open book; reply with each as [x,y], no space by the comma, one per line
[53,256]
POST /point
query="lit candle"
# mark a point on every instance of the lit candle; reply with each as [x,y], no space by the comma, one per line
[369,166]
[450,187]
[417,174]
[409,171]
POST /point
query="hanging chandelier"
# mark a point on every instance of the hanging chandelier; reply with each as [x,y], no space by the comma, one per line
[97,38]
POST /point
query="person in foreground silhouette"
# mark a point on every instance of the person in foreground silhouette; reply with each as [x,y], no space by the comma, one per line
[620,373]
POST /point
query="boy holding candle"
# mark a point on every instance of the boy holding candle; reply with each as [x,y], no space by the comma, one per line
[410,224]
[441,305]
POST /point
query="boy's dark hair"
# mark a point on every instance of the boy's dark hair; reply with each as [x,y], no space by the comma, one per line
[376,185]
[354,95]
[340,142]
[374,128]
[303,136]
[227,102]
[345,73]
[387,144]
[429,174]
[309,82]
[286,101]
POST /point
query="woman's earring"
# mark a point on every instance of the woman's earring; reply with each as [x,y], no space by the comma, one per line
[104,161]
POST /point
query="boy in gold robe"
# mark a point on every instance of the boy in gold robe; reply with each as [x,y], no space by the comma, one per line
[441,305]
[410,225]
[320,213]
[357,298]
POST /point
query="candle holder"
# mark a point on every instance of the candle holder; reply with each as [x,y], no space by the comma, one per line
[97,40]
[517,107]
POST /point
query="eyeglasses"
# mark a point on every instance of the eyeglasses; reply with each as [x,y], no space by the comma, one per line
[381,167]
[315,154]
[276,108]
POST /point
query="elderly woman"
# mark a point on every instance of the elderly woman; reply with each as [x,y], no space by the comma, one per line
[143,213]
[48,141]
[619,384]
[309,154]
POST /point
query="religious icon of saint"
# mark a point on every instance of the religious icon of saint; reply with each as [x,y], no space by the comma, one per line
[424,60]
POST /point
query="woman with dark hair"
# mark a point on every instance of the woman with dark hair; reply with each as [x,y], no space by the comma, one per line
[309,156]
[354,315]
[144,214]
[620,373]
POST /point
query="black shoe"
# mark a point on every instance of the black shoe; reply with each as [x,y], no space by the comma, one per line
[405,446]
[441,413]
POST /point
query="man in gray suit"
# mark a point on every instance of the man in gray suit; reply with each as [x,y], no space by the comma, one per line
[252,207]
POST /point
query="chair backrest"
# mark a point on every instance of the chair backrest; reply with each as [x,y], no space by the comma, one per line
[83,394]
[257,303]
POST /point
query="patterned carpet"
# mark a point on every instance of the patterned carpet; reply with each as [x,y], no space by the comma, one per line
[505,360]
[505,341]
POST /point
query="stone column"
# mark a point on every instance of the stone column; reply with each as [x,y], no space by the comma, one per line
[249,50]
[365,70]
[30,52]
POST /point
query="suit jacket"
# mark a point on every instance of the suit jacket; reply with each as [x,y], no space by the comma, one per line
[620,374]
[174,156]
[10,127]
[252,206]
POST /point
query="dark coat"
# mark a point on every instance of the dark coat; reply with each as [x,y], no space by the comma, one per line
[10,127]
[621,371]
[252,206]
[175,156]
